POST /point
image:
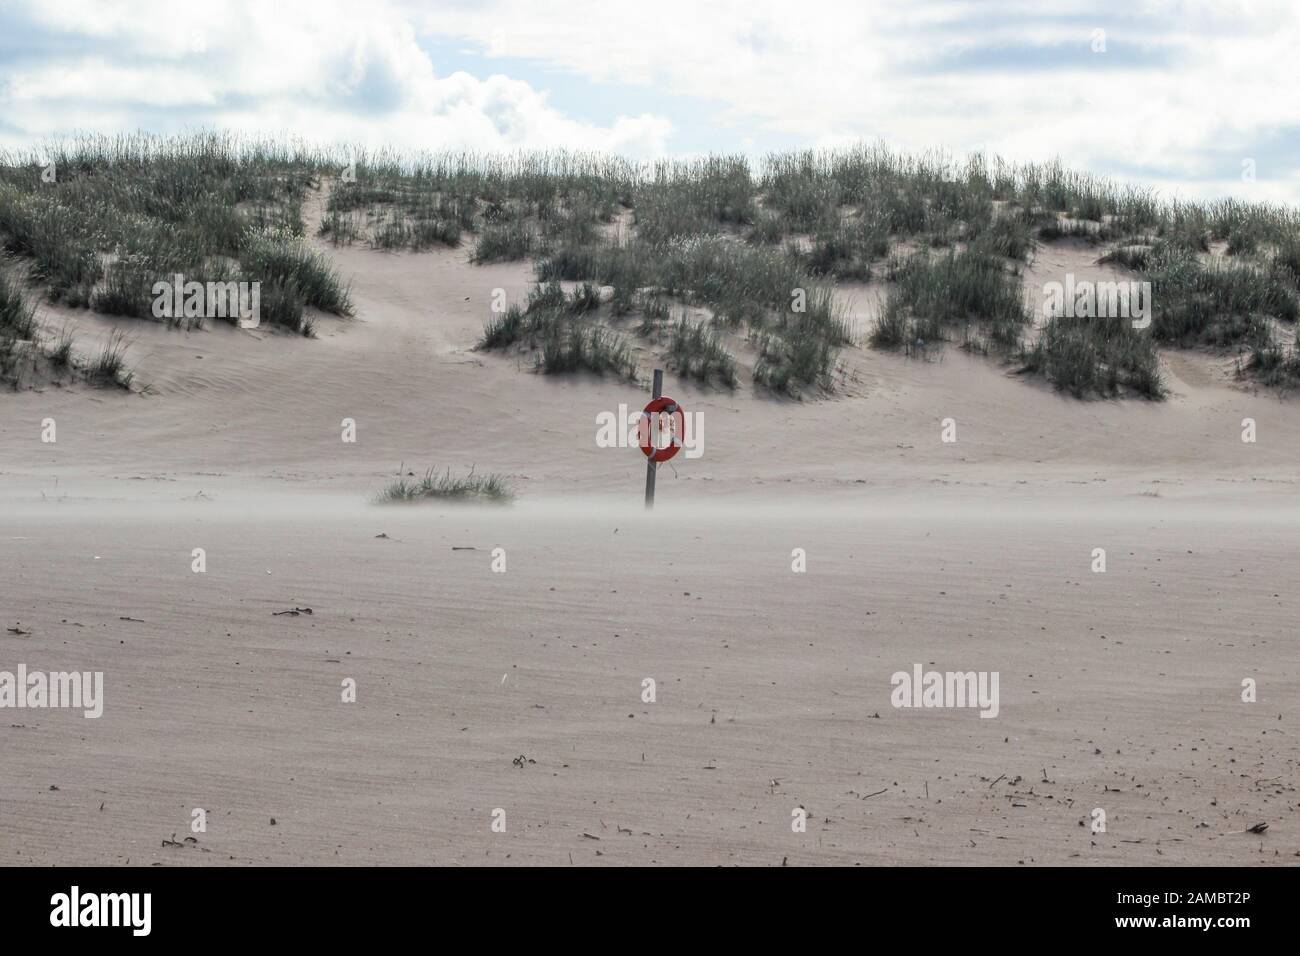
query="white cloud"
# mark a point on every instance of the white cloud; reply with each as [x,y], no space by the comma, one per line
[327,71]
[1185,90]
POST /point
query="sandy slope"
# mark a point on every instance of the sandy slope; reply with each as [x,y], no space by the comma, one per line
[963,556]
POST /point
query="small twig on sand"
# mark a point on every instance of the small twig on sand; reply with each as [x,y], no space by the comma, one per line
[1257,828]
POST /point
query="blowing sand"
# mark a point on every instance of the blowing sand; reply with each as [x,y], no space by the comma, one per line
[522,691]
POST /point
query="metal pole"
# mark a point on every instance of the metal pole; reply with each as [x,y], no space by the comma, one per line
[656,391]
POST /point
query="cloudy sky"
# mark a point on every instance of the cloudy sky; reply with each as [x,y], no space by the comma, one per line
[1175,94]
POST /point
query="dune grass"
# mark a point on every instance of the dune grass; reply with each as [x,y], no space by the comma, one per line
[935,294]
[60,353]
[340,227]
[700,197]
[23,347]
[17,315]
[847,249]
[719,232]
[766,290]
[697,352]
[569,346]
[278,257]
[1096,357]
[490,488]
[505,241]
[109,367]
[1213,304]
[17,324]
[121,213]
[562,332]
[1273,365]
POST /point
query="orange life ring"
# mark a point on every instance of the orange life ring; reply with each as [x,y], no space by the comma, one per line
[657,406]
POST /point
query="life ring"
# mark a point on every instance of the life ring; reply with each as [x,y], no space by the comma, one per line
[656,407]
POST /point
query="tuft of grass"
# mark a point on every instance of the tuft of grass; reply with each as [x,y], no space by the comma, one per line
[892,329]
[1242,241]
[109,368]
[489,488]
[573,347]
[800,348]
[1009,234]
[20,340]
[17,324]
[960,288]
[563,329]
[1273,365]
[394,233]
[398,232]
[1092,357]
[585,299]
[1136,257]
[281,304]
[278,256]
[9,357]
[61,354]
[654,311]
[694,198]
[506,241]
[1285,264]
[572,263]
[435,232]
[1222,305]
[847,250]
[1054,229]
[17,317]
[127,285]
[769,230]
[54,236]
[1185,229]
[340,227]
[787,365]
[697,352]
[547,296]
[504,329]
